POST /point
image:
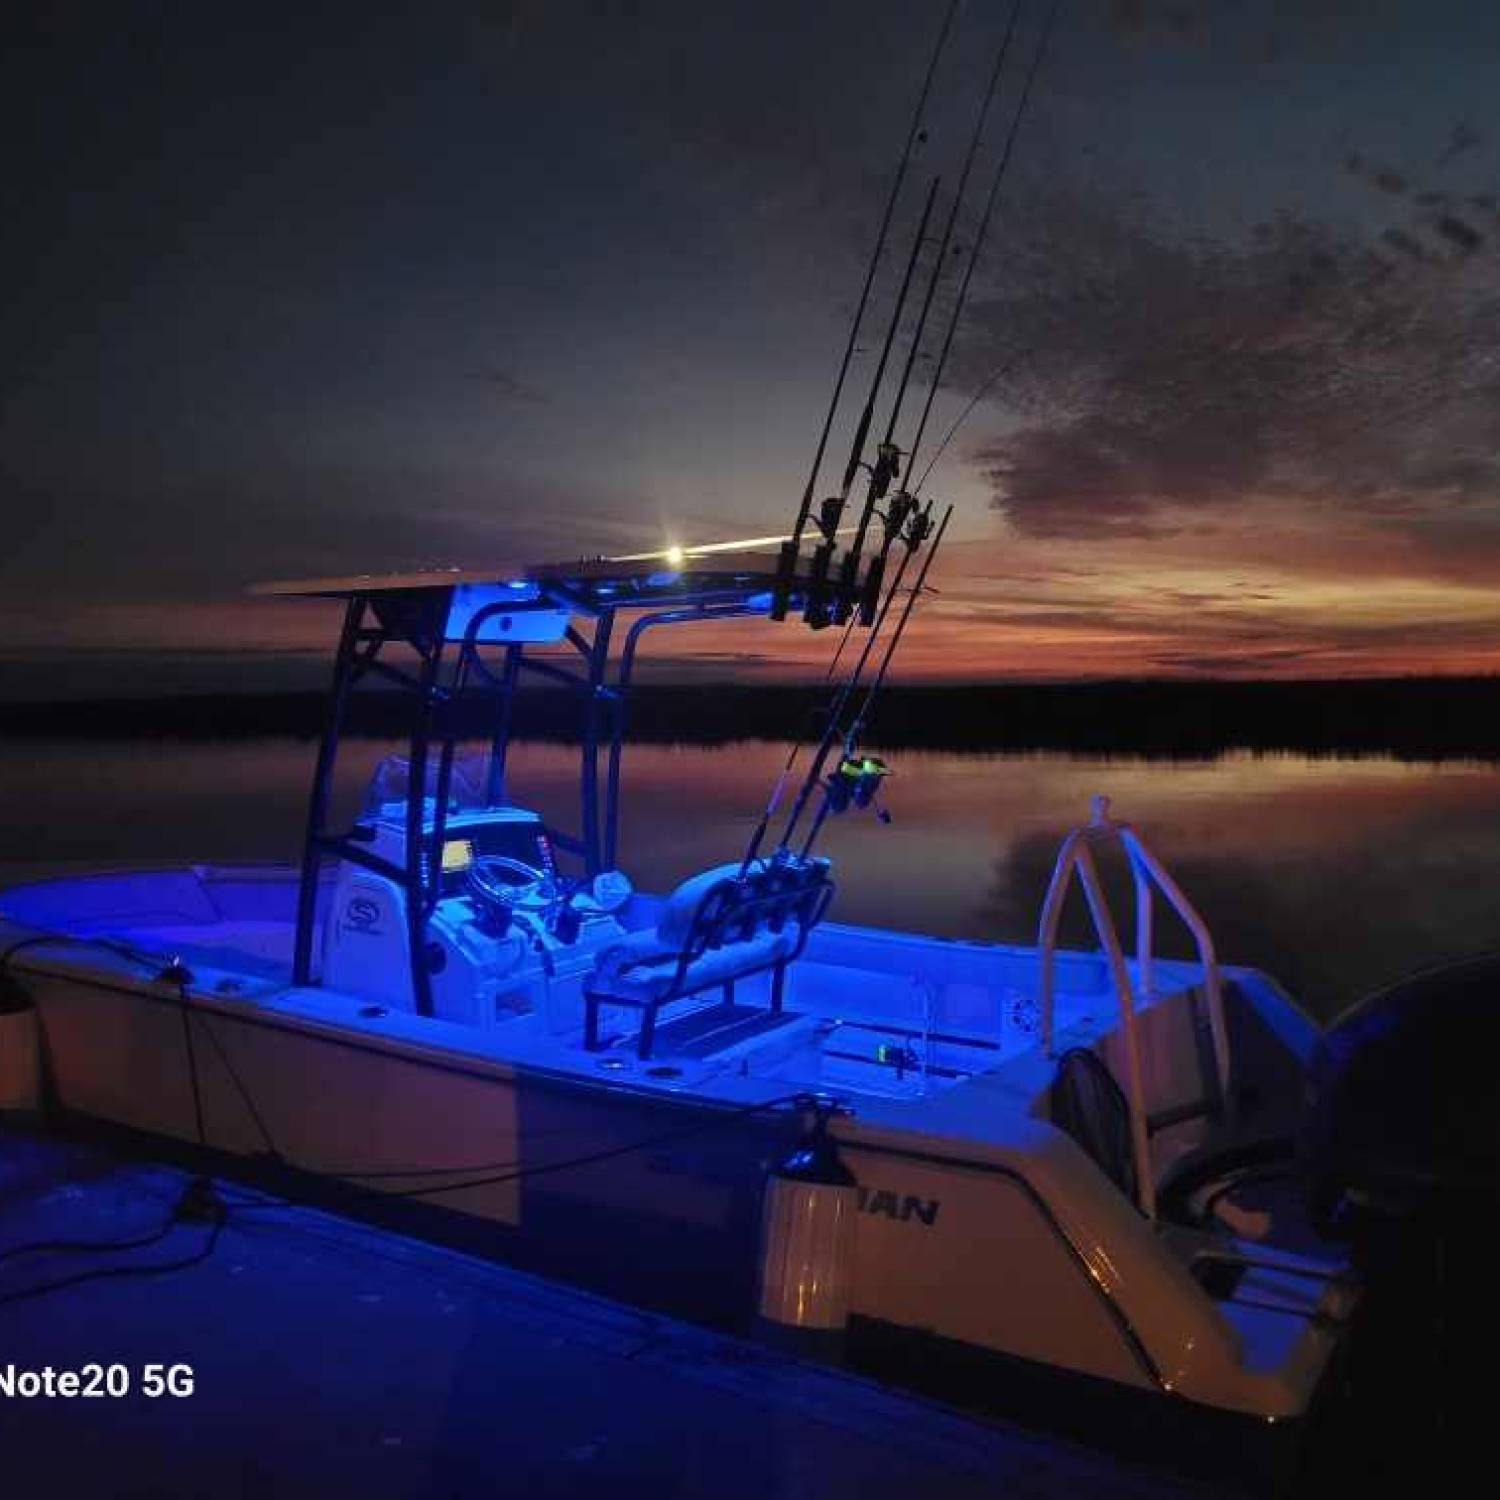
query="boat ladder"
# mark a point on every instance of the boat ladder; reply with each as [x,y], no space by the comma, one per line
[1150,877]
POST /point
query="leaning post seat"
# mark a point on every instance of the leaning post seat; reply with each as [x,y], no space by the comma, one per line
[717,927]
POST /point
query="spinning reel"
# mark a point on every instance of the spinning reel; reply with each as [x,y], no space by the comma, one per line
[856,782]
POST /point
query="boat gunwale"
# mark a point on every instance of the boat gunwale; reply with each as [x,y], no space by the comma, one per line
[985,1163]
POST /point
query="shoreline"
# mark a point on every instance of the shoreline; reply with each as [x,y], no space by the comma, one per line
[1420,719]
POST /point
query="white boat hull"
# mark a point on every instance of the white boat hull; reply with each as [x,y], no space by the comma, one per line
[1013,1243]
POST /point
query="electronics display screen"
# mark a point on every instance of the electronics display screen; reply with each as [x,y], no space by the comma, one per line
[477,838]
[458,855]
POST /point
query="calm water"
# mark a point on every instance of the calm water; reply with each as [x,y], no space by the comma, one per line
[1336,876]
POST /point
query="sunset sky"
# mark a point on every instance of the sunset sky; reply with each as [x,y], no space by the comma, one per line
[325,289]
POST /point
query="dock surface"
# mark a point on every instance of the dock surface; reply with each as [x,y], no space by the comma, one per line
[328,1357]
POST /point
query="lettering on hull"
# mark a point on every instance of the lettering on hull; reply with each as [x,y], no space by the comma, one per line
[897,1206]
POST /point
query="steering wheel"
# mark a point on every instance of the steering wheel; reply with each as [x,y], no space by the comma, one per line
[511,884]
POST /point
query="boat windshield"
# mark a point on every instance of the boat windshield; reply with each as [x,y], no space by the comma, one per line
[385,800]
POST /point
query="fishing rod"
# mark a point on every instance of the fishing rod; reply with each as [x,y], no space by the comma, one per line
[904,516]
[905,498]
[984,225]
[888,462]
[916,519]
[895,526]
[918,531]
[997,373]
[890,651]
[855,782]
[830,733]
[832,509]
[790,550]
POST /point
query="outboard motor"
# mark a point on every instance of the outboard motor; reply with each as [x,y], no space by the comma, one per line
[1404,1112]
[1402,1150]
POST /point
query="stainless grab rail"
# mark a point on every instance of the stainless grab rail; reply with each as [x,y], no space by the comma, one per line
[1149,875]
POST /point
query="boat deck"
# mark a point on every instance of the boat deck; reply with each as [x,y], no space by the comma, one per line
[330,1358]
[892,1019]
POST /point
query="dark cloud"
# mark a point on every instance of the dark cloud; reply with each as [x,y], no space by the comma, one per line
[298,296]
[1464,138]
[1171,375]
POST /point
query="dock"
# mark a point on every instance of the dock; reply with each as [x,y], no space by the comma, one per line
[278,1349]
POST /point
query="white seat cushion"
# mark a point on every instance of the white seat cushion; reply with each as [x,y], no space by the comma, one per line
[642,967]
[682,905]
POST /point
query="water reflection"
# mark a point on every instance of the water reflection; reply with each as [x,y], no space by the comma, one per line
[1335,876]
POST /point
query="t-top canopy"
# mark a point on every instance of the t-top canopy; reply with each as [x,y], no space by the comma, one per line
[741,572]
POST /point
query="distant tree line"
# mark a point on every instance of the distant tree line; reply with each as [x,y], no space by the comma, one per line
[1412,718]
